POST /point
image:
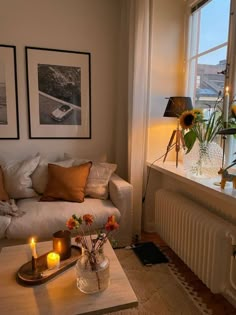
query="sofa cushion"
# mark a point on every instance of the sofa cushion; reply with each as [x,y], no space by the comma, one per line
[45,218]
[66,183]
[98,179]
[40,175]
[17,178]
[3,194]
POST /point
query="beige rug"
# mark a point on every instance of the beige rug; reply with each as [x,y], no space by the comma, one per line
[157,288]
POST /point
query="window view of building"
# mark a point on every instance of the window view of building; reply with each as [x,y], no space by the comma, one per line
[207,55]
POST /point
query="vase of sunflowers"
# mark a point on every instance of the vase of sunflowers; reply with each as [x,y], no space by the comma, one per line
[203,155]
[93,266]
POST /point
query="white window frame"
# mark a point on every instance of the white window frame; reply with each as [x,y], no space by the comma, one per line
[192,44]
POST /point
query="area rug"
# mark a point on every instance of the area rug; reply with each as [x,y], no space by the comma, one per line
[158,289]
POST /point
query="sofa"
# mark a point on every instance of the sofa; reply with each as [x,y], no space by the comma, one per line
[38,196]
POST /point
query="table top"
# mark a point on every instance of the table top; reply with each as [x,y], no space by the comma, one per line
[59,295]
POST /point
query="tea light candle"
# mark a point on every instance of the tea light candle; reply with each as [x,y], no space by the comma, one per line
[53,260]
[33,248]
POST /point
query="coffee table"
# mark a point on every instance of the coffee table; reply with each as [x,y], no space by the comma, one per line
[59,296]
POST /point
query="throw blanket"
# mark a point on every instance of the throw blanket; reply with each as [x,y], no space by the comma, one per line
[8,209]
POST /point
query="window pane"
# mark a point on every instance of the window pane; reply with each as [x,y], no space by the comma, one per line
[208,81]
[214,24]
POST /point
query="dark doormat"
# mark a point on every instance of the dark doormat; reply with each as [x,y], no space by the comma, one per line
[149,253]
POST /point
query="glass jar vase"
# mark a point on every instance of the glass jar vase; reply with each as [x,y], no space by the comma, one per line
[204,160]
[92,272]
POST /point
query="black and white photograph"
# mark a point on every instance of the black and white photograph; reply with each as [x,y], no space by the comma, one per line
[58,83]
[3,95]
[9,127]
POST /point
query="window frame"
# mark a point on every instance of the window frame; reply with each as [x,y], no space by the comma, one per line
[192,43]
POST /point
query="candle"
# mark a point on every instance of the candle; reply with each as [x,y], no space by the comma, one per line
[62,243]
[226,106]
[53,260]
[33,248]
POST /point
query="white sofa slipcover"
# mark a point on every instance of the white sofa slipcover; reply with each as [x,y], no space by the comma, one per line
[42,219]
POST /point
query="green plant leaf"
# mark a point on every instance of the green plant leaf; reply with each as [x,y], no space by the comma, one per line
[189,139]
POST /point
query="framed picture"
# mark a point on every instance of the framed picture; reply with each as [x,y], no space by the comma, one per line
[9,120]
[59,96]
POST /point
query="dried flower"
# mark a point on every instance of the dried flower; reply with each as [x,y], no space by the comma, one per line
[111,224]
[83,225]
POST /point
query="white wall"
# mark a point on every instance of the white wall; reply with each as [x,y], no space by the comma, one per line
[80,25]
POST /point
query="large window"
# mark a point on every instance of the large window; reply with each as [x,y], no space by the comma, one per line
[208,51]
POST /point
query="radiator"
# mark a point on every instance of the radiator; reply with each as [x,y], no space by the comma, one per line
[200,238]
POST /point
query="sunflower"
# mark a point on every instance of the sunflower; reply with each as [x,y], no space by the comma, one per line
[198,112]
[186,119]
[233,110]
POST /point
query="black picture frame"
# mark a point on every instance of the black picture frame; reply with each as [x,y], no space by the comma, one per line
[59,93]
[9,115]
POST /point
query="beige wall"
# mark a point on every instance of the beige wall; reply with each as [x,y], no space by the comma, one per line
[80,25]
[167,71]
[167,79]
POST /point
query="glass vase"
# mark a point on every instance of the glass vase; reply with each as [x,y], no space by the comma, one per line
[92,272]
[204,160]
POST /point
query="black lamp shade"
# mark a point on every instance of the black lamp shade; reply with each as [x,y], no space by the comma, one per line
[177,105]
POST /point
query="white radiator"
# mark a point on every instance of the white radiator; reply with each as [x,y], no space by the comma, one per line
[200,238]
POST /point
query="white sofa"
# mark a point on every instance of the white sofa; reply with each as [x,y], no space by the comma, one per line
[42,218]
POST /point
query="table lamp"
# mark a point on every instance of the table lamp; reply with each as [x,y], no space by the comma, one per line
[175,107]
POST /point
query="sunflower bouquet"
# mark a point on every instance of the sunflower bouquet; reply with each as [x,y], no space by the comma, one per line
[196,127]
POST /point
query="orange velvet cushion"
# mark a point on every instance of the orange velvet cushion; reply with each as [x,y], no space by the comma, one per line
[3,194]
[66,183]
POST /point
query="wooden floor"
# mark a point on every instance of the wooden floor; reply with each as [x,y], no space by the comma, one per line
[215,302]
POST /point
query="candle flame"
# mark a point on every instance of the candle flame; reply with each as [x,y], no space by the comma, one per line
[227,89]
[32,241]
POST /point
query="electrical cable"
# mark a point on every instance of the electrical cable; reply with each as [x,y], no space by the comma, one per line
[160,157]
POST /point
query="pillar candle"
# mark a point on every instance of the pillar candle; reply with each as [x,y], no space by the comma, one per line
[53,260]
[226,106]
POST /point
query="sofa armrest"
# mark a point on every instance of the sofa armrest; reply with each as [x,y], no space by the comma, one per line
[121,195]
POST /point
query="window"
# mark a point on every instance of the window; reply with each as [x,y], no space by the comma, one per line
[208,51]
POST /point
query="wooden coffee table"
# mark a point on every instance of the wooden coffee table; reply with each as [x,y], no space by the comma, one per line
[59,295]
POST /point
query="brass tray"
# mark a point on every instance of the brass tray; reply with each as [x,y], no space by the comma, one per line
[26,276]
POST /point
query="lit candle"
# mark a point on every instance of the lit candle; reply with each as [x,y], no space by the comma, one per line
[53,260]
[226,106]
[33,248]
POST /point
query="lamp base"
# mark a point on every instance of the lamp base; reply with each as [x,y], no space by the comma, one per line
[176,140]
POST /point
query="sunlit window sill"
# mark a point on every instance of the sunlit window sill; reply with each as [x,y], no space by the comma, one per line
[210,185]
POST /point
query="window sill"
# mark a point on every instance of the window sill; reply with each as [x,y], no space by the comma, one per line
[208,185]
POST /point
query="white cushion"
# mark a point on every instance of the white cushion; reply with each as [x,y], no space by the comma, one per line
[17,178]
[40,175]
[98,179]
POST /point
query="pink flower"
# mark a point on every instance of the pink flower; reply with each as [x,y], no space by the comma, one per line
[111,224]
[88,219]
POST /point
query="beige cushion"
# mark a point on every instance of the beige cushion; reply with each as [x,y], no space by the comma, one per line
[3,194]
[66,183]
[40,175]
[98,179]
[97,185]
[17,178]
